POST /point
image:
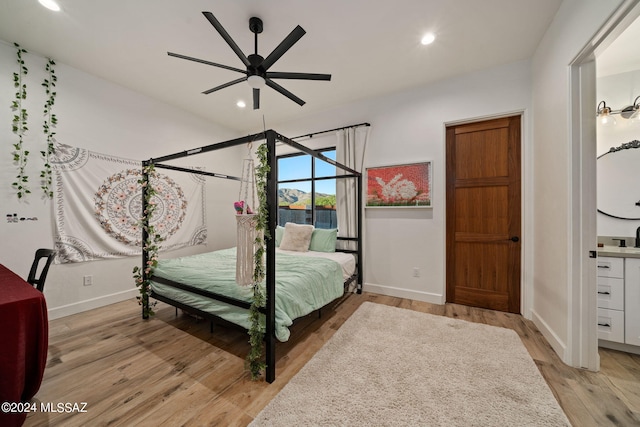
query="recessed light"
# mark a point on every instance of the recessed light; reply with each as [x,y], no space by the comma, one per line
[241,104]
[428,38]
[50,4]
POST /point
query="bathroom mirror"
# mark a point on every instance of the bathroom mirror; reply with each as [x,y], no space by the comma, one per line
[619,181]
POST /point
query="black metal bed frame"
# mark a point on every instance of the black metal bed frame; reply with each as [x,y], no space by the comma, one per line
[271,137]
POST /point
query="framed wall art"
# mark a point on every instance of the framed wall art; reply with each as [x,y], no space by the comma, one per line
[399,186]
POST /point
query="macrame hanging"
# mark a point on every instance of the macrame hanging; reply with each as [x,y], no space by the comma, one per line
[246,225]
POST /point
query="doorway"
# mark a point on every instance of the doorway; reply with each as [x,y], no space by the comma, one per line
[583,325]
[483,214]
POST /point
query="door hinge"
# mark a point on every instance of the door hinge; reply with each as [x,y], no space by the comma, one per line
[593,254]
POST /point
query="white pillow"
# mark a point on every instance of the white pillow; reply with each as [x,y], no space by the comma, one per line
[296,237]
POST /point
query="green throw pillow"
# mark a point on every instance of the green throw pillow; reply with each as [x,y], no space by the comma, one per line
[323,240]
[279,234]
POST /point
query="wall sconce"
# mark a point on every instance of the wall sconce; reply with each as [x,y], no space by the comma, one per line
[633,111]
[605,114]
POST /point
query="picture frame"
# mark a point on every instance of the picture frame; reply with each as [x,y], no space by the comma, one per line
[400,186]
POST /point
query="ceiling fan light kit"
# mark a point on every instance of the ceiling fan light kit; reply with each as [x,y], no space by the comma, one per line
[257,72]
[256,82]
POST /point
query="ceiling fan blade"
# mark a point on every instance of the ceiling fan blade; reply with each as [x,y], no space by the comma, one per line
[218,26]
[202,61]
[231,83]
[284,46]
[283,91]
[256,99]
[300,76]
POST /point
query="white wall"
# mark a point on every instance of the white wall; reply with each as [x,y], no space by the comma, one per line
[619,91]
[106,118]
[575,24]
[408,127]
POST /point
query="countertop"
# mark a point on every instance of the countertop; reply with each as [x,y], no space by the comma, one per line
[615,251]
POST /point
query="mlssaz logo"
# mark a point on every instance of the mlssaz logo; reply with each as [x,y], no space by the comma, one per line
[63,407]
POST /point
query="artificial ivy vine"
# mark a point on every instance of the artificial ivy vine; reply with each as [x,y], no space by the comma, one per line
[151,244]
[19,126]
[50,121]
[255,358]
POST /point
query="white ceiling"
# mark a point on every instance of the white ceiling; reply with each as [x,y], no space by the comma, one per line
[370,47]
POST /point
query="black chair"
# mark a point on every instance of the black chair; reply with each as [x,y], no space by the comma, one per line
[49,254]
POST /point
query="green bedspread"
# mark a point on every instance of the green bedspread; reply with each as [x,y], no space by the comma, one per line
[303,284]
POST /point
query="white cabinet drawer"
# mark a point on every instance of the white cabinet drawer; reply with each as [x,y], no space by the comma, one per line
[611,267]
[611,293]
[610,325]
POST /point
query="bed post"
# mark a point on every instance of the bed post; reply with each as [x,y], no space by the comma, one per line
[145,236]
[272,208]
[359,231]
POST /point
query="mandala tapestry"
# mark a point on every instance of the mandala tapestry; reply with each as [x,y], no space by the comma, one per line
[98,204]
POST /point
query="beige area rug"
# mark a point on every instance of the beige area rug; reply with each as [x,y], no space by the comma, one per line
[388,366]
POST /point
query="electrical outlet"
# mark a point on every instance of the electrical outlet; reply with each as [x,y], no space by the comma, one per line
[416,272]
[87,280]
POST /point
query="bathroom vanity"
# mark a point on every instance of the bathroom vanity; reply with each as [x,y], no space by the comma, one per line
[619,257]
[619,298]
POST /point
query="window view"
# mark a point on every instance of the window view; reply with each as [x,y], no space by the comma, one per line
[306,193]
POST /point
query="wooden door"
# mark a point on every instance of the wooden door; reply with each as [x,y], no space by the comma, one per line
[483,214]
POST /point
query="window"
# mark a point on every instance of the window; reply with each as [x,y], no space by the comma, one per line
[307,190]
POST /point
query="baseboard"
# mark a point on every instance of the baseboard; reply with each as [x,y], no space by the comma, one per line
[90,304]
[627,348]
[556,343]
[404,293]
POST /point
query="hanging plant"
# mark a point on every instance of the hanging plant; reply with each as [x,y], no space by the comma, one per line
[19,126]
[151,245]
[255,358]
[50,121]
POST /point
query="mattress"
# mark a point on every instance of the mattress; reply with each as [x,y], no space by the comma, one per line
[346,261]
[304,282]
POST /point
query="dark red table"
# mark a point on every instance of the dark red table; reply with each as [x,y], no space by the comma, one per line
[24,339]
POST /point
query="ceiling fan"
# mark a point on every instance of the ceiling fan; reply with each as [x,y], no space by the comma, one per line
[257,73]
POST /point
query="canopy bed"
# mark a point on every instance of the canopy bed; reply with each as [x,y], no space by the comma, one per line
[205,284]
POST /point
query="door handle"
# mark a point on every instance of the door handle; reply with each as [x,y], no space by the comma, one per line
[515,239]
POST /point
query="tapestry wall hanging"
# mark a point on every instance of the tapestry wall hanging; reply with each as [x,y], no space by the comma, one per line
[98,205]
[399,186]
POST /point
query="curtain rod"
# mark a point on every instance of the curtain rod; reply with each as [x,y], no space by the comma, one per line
[310,135]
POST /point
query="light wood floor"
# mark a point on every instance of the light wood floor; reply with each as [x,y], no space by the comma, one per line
[172,371]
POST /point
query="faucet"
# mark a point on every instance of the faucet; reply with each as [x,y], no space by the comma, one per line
[637,237]
[623,242]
